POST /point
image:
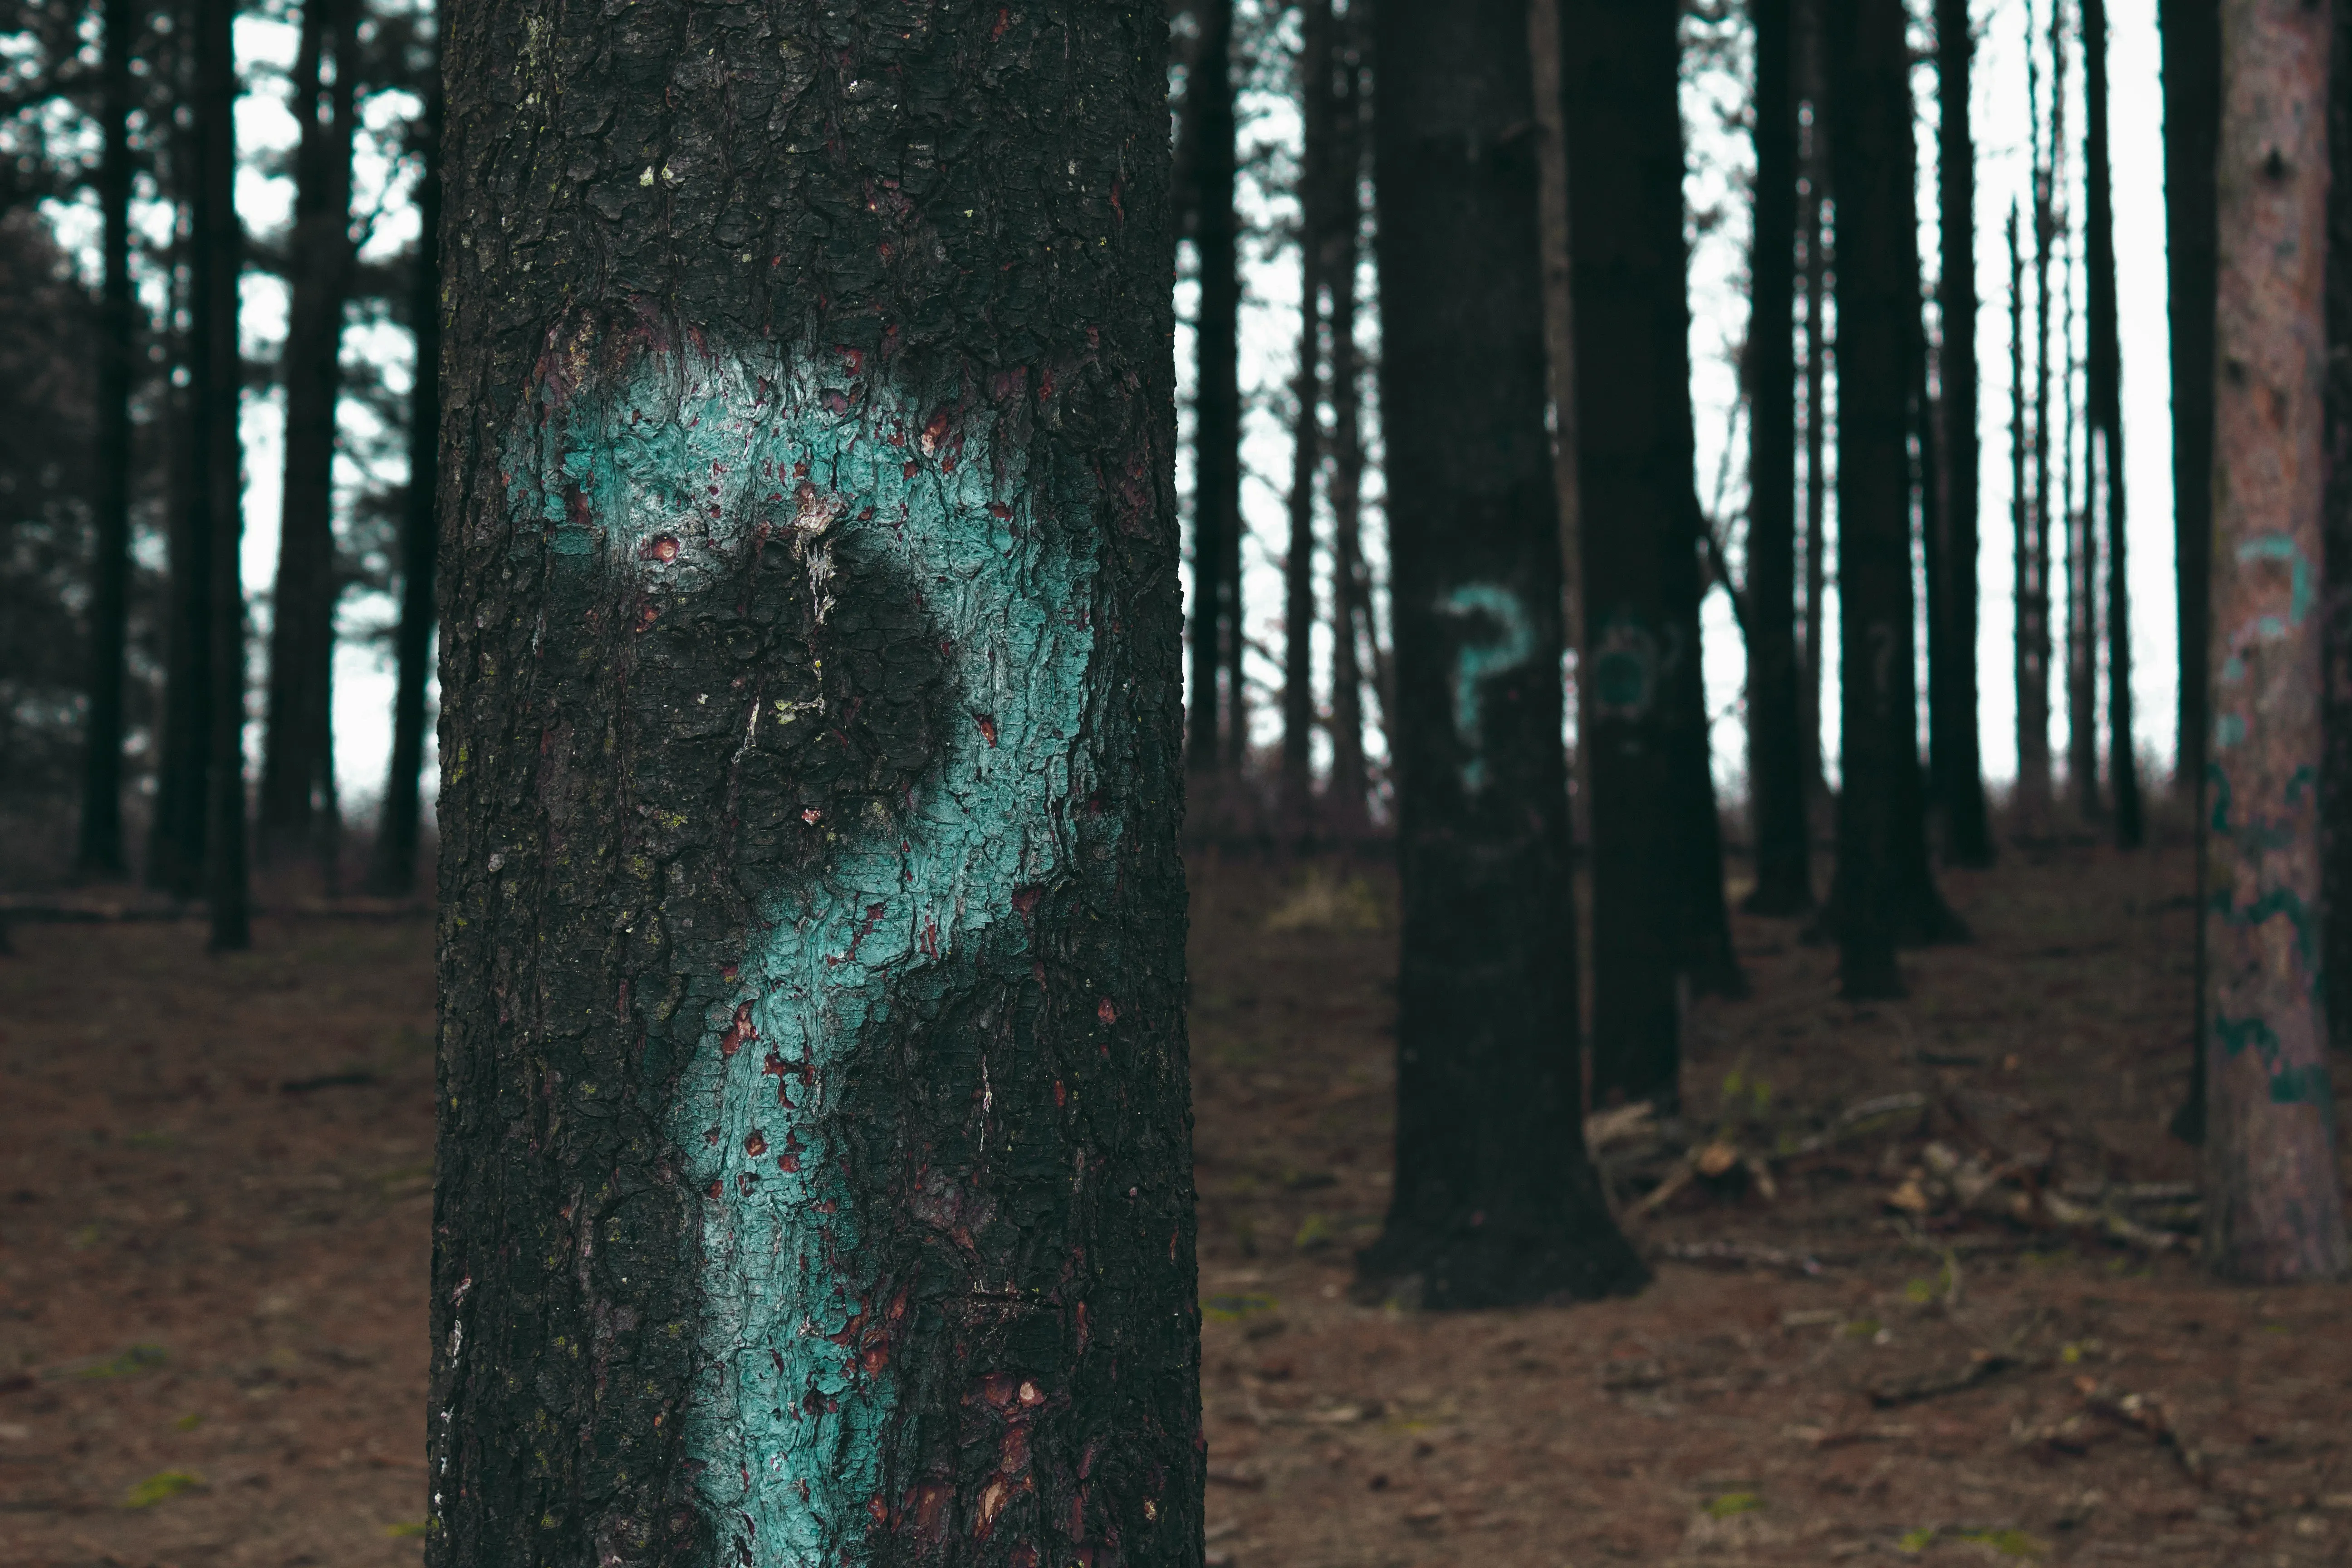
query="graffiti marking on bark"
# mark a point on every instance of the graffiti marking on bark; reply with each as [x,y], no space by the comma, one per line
[1514,644]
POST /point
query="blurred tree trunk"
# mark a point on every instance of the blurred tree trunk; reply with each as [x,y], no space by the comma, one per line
[2082,541]
[2274,1197]
[2335,727]
[100,852]
[297,811]
[1776,764]
[2106,492]
[393,872]
[2189,32]
[1883,893]
[2034,783]
[1639,518]
[1560,354]
[1314,270]
[1351,610]
[1953,750]
[1217,407]
[1815,228]
[842,1011]
[217,388]
[1496,1201]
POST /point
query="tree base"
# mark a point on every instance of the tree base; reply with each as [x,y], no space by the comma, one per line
[1475,1262]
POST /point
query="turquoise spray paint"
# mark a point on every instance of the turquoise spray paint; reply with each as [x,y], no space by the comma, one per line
[1514,644]
[681,468]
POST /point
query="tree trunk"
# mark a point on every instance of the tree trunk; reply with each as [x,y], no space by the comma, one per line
[2189,32]
[1815,654]
[394,870]
[2273,1198]
[297,811]
[2034,782]
[1216,720]
[1638,514]
[1882,893]
[1559,356]
[815,1174]
[1495,1201]
[1350,604]
[2336,724]
[175,842]
[100,852]
[1315,236]
[2106,509]
[1776,764]
[1958,764]
[2020,509]
[2081,541]
[217,386]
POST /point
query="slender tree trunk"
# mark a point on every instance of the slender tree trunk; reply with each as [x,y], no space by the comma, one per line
[175,851]
[2020,509]
[2274,1197]
[1217,423]
[1315,235]
[1495,1201]
[1882,893]
[2189,32]
[1958,764]
[1350,604]
[298,811]
[1638,515]
[217,386]
[1817,424]
[2107,425]
[394,869]
[2335,725]
[2081,543]
[813,969]
[2035,783]
[1559,356]
[100,849]
[1776,740]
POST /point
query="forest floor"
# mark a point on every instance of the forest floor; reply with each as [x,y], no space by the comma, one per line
[215,1193]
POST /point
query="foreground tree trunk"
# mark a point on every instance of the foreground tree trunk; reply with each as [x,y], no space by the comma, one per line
[218,391]
[1495,1199]
[1954,753]
[2335,722]
[1638,515]
[297,811]
[2274,1200]
[1215,719]
[1883,893]
[1776,763]
[814,1174]
[100,852]
[2189,32]
[392,871]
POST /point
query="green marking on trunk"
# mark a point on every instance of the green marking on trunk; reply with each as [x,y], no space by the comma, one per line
[1513,645]
[683,469]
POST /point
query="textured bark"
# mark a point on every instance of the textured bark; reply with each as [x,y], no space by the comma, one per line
[1559,356]
[1495,1200]
[1219,722]
[1776,763]
[2189,32]
[2035,783]
[2336,724]
[2106,511]
[1315,267]
[1638,514]
[1883,893]
[2273,1202]
[813,1179]
[217,386]
[1347,803]
[297,811]
[100,851]
[393,869]
[1956,758]
[2273,1195]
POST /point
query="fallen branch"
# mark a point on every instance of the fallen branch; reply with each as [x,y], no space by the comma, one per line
[1982,1367]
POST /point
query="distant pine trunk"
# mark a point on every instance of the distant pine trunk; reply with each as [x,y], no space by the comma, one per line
[1315,65]
[1815,228]
[2106,511]
[2035,797]
[2274,1196]
[100,852]
[1775,739]
[176,843]
[1953,751]
[1216,722]
[392,869]
[1496,1201]
[296,810]
[1351,626]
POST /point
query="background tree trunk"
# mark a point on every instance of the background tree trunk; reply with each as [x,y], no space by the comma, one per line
[393,873]
[1817,421]
[217,389]
[1776,765]
[297,807]
[1314,238]
[2081,538]
[813,965]
[1637,512]
[1560,355]
[1216,716]
[2035,783]
[2105,491]
[2273,1199]
[1351,601]
[1495,1200]
[1959,766]
[100,852]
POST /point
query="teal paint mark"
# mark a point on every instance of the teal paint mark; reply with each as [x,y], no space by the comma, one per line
[1477,661]
[2304,1085]
[2282,547]
[1625,669]
[678,470]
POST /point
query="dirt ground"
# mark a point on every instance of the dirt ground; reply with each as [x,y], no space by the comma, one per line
[213,1180]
